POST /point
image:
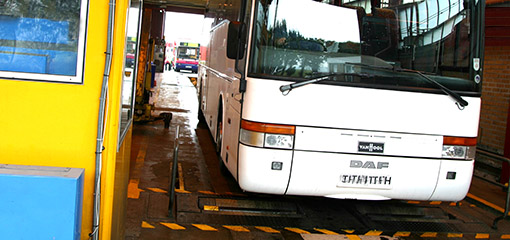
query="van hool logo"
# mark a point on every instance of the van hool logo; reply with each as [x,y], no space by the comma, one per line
[370,147]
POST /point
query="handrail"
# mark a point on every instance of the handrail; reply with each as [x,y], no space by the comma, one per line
[174,175]
[507,203]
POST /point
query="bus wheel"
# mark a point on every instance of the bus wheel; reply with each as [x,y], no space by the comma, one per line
[219,130]
[201,116]
[219,141]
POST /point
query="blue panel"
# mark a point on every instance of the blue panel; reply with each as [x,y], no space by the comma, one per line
[38,61]
[34,30]
[22,62]
[40,41]
[40,202]
[63,63]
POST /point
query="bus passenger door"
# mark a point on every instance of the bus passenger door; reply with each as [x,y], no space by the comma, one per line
[232,126]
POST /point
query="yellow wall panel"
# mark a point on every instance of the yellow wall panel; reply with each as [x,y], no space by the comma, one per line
[122,166]
[55,124]
[115,174]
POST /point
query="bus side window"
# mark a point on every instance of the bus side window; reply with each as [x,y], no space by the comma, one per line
[380,34]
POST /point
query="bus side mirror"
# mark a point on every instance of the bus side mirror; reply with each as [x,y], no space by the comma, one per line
[235,40]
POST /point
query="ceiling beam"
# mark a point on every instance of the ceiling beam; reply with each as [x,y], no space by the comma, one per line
[193,7]
[180,9]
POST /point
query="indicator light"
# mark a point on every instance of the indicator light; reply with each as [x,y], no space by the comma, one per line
[459,148]
[267,135]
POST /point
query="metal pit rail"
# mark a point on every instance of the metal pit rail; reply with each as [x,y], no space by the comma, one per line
[173,178]
[507,202]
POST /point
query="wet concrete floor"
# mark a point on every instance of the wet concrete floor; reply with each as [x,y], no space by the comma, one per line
[152,154]
[210,205]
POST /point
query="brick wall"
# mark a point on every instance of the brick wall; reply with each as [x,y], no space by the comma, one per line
[496,80]
[495,98]
[495,94]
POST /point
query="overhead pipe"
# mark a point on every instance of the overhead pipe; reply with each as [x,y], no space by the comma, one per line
[101,120]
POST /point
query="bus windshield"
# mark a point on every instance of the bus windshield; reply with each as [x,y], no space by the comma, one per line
[368,43]
[187,53]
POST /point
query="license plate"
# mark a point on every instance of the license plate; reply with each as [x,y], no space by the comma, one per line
[188,66]
[364,181]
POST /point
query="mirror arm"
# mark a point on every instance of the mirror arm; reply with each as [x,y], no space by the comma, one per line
[242,82]
[240,47]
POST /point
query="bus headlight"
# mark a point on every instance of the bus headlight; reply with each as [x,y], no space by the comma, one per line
[267,135]
[279,141]
[454,151]
[459,148]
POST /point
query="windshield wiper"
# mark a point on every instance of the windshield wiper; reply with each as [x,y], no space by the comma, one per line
[385,67]
[459,101]
[285,89]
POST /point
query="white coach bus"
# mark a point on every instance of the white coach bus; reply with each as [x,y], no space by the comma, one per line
[350,99]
